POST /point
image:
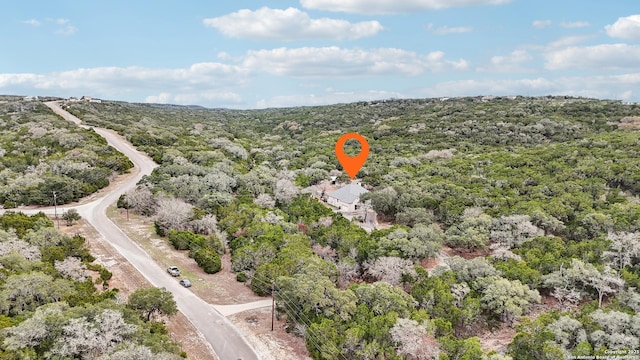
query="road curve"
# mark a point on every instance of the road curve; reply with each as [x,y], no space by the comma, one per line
[219,332]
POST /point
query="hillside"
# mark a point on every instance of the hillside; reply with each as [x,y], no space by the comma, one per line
[42,154]
[538,196]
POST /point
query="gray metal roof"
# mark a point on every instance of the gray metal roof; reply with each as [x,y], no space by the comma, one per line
[348,194]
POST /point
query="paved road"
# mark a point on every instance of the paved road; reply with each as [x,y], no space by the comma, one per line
[221,334]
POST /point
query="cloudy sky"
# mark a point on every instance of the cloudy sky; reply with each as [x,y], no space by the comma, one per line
[255,54]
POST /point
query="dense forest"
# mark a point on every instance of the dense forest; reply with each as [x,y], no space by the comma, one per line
[535,199]
[42,154]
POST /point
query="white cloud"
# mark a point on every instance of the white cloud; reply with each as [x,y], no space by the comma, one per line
[339,62]
[625,28]
[205,97]
[289,24]
[206,80]
[61,21]
[511,63]
[605,56]
[32,22]
[392,6]
[216,82]
[575,24]
[603,87]
[67,30]
[330,96]
[446,30]
[566,41]
[541,24]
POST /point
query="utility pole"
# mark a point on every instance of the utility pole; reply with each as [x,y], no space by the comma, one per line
[273,303]
[55,205]
[126,205]
[55,208]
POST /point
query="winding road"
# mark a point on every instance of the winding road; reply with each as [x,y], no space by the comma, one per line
[220,333]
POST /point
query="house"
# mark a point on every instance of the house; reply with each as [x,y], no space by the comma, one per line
[347,198]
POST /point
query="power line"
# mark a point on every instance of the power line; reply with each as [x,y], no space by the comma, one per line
[292,309]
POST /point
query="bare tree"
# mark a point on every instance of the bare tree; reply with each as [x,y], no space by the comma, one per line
[34,330]
[413,341]
[21,247]
[173,213]
[265,200]
[206,225]
[285,191]
[137,352]
[512,231]
[389,269]
[580,274]
[140,200]
[71,267]
[624,248]
[89,339]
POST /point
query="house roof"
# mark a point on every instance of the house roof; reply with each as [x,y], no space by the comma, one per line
[348,194]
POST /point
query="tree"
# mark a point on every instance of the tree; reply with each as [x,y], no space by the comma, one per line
[265,200]
[624,248]
[44,237]
[471,270]
[307,296]
[71,216]
[389,269]
[10,244]
[71,267]
[547,222]
[413,340]
[25,292]
[138,352]
[382,298]
[205,225]
[208,259]
[512,231]
[422,241]
[172,214]
[606,282]
[84,338]
[285,191]
[619,330]
[34,330]
[471,233]
[580,274]
[412,216]
[509,299]
[383,201]
[140,200]
[153,300]
[568,332]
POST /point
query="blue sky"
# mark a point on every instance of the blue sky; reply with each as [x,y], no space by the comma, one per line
[255,54]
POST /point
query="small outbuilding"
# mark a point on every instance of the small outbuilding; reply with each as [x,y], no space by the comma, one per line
[347,198]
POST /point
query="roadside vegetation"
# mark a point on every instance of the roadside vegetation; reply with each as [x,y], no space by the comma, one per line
[45,159]
[55,302]
[536,197]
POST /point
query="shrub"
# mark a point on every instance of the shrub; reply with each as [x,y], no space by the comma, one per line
[186,240]
[242,277]
[71,216]
[208,260]
[9,204]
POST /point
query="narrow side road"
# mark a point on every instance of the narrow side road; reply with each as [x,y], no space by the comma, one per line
[221,334]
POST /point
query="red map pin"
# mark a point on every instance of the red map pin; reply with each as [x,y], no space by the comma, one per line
[352,164]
